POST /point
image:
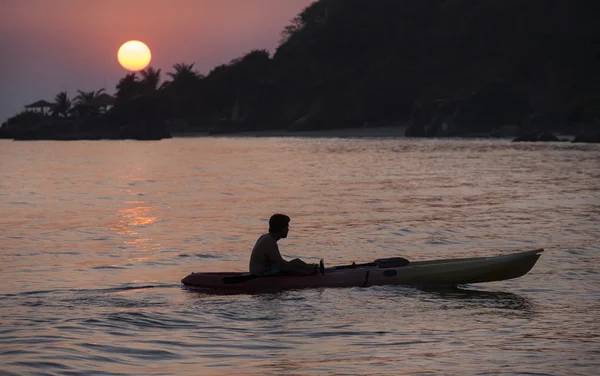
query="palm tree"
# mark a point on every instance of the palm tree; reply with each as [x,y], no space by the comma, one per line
[62,104]
[128,87]
[83,100]
[183,93]
[184,76]
[150,79]
[84,97]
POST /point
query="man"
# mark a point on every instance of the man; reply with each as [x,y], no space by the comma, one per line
[266,259]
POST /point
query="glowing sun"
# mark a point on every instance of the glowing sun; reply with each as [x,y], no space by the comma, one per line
[134,55]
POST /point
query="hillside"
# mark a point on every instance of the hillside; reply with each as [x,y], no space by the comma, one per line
[346,62]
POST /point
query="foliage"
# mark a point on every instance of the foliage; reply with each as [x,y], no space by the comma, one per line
[127,88]
[25,117]
[150,80]
[82,103]
[387,51]
[62,105]
[84,97]
[183,92]
[184,76]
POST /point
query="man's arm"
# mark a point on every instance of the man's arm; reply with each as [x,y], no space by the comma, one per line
[278,261]
[285,266]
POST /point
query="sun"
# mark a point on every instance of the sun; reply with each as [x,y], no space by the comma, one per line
[134,55]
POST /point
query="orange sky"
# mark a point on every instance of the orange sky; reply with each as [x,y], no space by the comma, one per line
[47,46]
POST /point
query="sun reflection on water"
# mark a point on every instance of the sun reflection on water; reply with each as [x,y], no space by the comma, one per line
[136,216]
[130,224]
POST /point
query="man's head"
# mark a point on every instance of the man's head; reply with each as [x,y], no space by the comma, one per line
[279,225]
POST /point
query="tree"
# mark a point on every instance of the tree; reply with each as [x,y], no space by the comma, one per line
[184,76]
[150,80]
[183,92]
[62,104]
[83,102]
[85,97]
[127,88]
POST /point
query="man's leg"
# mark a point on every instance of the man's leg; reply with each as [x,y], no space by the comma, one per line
[303,267]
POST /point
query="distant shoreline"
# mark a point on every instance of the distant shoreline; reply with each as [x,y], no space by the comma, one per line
[395,131]
[364,132]
[384,131]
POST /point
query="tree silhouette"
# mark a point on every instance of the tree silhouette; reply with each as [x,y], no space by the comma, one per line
[183,93]
[62,104]
[184,75]
[83,102]
[150,80]
[127,88]
[84,97]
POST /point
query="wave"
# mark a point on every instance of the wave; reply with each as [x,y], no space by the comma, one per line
[124,287]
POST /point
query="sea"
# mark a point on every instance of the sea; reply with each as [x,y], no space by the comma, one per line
[95,237]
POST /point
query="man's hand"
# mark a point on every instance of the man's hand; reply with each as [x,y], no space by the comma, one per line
[318,268]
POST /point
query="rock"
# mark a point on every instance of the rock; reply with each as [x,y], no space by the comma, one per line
[589,138]
[536,137]
[531,137]
[547,136]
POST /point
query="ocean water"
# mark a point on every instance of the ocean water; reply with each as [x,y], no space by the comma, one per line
[96,236]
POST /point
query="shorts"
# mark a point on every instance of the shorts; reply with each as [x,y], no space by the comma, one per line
[271,272]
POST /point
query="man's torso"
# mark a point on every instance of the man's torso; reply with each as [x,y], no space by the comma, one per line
[260,259]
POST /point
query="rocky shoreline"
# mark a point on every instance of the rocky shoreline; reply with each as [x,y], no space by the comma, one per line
[398,131]
[141,131]
[135,131]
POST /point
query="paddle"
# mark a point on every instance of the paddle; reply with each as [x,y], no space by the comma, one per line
[392,262]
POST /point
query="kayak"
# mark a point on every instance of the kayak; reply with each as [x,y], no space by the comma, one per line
[392,271]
